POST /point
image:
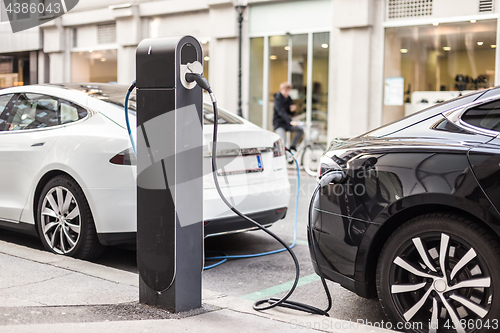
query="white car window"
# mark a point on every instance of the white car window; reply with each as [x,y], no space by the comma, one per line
[69,113]
[4,111]
[33,111]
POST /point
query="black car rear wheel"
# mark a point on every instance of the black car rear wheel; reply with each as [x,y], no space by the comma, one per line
[440,273]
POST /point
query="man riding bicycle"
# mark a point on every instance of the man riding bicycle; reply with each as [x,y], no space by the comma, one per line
[284,108]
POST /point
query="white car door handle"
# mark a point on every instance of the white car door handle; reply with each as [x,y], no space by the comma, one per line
[39,144]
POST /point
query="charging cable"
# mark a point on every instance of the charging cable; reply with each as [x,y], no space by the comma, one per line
[272,302]
[225,257]
[327,178]
[130,89]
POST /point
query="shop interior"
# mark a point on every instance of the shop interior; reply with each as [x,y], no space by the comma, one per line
[428,64]
[287,58]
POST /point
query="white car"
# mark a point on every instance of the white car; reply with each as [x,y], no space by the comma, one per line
[68,173]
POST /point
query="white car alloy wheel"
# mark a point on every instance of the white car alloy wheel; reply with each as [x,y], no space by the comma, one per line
[61,221]
[438,273]
[65,223]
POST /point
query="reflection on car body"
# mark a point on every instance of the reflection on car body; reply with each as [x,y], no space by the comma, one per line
[416,220]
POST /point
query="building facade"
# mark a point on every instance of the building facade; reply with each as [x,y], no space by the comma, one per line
[354,64]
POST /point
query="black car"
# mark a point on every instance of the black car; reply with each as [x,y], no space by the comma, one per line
[415,218]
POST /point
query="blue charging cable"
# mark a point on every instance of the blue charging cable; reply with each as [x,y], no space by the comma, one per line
[225,257]
[130,89]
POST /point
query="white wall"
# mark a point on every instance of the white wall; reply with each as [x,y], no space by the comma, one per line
[126,64]
[80,68]
[289,16]
[56,67]
[224,72]
[86,36]
[21,41]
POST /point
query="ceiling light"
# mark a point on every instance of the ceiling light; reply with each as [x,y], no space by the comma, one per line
[287,48]
[446,48]
[493,46]
[273,57]
[404,50]
[472,21]
[325,46]
[207,58]
[103,59]
[435,24]
[479,43]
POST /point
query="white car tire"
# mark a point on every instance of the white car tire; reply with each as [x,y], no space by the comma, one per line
[64,220]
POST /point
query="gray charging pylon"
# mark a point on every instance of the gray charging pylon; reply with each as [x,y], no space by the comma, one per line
[169,173]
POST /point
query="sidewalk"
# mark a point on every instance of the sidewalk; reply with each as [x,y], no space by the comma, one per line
[43,292]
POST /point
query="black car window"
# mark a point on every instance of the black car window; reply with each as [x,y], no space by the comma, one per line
[421,115]
[5,111]
[32,111]
[484,116]
[71,112]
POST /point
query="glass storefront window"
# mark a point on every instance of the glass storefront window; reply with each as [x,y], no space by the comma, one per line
[289,58]
[299,73]
[94,66]
[15,69]
[319,112]
[278,69]
[428,64]
[206,58]
[256,80]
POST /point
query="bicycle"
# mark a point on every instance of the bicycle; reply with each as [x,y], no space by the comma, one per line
[308,153]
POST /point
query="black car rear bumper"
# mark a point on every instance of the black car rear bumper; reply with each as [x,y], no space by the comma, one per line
[360,288]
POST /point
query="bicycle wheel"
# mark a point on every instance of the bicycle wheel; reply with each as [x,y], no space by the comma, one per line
[310,158]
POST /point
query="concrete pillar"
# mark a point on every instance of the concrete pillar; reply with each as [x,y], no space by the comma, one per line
[126,64]
[355,61]
[33,67]
[128,36]
[224,72]
[67,38]
[43,67]
[56,67]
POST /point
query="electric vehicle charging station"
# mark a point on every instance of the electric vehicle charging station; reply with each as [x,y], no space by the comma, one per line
[169,179]
[169,173]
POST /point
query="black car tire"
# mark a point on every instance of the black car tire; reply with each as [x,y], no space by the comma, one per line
[64,220]
[409,298]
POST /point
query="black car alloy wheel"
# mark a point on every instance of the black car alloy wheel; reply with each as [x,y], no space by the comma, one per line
[438,273]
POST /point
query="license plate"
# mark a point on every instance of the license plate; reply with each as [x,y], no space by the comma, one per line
[240,165]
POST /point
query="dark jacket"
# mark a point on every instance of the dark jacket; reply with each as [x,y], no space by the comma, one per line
[282,114]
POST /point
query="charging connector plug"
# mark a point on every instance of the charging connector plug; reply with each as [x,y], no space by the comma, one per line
[200,79]
[332,176]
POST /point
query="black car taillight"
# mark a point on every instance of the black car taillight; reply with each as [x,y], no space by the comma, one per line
[278,148]
[126,157]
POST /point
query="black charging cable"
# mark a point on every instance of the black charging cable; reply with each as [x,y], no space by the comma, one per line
[334,175]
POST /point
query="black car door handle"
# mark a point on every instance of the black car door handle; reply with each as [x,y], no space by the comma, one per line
[39,144]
